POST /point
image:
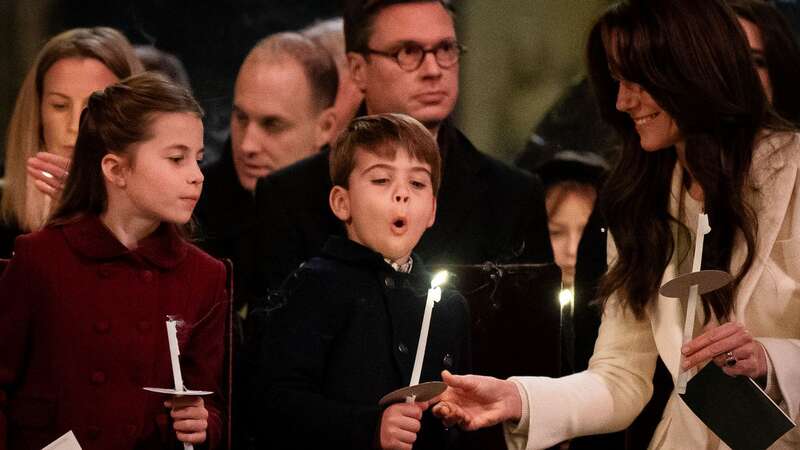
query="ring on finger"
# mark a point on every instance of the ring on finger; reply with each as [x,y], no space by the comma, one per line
[730,359]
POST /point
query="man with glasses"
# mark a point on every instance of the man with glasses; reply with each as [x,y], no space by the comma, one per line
[404,56]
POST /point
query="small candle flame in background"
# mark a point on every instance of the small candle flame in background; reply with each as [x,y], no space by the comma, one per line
[565,297]
[566,300]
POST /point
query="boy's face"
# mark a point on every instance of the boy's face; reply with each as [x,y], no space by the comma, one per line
[388,205]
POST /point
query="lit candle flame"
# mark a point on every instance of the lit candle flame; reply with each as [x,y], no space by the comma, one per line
[565,297]
[440,278]
[434,295]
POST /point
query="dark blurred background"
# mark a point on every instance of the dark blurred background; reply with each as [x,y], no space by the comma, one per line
[534,49]
[210,37]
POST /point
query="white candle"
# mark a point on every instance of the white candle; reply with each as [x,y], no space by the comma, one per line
[691,305]
[434,295]
[174,352]
[172,338]
[566,300]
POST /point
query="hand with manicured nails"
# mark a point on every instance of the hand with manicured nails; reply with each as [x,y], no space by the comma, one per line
[714,344]
[400,424]
[190,418]
[475,401]
[49,172]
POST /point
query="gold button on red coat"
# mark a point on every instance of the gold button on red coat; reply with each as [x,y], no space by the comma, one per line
[101,327]
[98,377]
[92,432]
[137,378]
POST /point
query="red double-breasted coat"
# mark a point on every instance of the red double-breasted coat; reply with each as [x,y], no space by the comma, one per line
[82,330]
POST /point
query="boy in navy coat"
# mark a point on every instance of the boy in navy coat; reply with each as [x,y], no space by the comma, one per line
[347,329]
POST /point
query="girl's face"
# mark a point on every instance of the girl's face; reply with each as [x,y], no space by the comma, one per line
[389,203]
[568,210]
[656,128]
[161,178]
[66,87]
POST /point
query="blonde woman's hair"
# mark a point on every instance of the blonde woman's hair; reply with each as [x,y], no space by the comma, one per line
[22,204]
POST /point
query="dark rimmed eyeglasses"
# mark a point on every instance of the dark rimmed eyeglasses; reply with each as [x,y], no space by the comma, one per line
[410,55]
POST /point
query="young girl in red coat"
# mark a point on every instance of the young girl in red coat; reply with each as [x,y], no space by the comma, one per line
[83,302]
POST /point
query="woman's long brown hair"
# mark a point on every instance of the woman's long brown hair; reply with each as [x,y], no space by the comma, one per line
[693,59]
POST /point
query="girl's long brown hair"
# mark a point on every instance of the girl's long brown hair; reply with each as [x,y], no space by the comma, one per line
[113,122]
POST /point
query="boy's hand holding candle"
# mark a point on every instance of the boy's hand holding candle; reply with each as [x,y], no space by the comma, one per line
[400,424]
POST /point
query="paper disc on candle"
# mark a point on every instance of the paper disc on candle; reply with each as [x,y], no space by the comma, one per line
[706,281]
[422,391]
[171,391]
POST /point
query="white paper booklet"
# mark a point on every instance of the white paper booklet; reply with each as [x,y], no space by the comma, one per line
[65,442]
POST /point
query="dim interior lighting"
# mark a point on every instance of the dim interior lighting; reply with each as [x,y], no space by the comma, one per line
[565,297]
[440,278]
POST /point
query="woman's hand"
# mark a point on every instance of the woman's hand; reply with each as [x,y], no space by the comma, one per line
[731,347]
[49,172]
[475,401]
[190,418]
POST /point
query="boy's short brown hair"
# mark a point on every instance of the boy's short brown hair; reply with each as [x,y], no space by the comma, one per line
[376,134]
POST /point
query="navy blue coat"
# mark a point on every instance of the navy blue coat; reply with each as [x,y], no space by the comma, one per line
[346,335]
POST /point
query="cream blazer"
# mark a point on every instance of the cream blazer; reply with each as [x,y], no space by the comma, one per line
[610,394]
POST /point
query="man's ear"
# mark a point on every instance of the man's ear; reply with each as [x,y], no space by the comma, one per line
[433,214]
[358,67]
[114,168]
[326,126]
[339,200]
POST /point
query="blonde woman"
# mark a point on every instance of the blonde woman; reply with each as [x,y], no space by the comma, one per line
[67,70]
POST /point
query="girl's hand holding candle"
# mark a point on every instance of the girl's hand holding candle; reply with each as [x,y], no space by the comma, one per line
[190,418]
[188,412]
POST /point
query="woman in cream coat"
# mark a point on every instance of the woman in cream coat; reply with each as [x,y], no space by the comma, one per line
[676,80]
